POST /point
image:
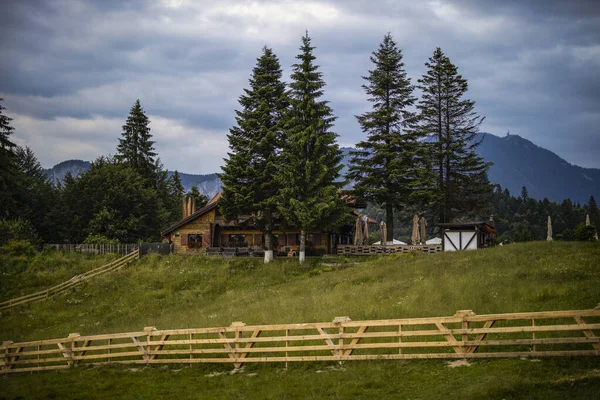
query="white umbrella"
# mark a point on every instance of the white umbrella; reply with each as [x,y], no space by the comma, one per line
[549,238]
[393,241]
[587,219]
[365,221]
[383,228]
[435,240]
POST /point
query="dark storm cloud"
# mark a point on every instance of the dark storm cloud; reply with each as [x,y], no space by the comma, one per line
[533,66]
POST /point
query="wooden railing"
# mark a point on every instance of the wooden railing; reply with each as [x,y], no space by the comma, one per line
[376,249]
[464,335]
[74,281]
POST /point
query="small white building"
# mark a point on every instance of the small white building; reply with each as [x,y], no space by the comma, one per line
[458,236]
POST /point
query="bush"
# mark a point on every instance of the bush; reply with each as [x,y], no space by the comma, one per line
[19,229]
[99,239]
[17,248]
[585,233]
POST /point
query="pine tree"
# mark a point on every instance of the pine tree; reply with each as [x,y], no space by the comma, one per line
[524,194]
[35,194]
[136,148]
[311,157]
[8,167]
[594,212]
[176,190]
[177,186]
[461,184]
[388,167]
[201,199]
[249,185]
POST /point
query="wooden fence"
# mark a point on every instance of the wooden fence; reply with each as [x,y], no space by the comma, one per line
[100,248]
[371,250]
[74,281]
[464,335]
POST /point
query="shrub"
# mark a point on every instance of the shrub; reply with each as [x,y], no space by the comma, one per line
[99,239]
[17,248]
[585,233]
[19,229]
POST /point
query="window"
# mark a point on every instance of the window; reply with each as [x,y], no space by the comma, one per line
[194,241]
[237,241]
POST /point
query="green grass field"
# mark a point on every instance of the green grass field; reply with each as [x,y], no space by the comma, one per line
[183,292]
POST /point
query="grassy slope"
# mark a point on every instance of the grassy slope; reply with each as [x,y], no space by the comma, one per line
[197,292]
[24,275]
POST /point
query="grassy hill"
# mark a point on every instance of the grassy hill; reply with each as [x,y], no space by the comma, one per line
[181,292]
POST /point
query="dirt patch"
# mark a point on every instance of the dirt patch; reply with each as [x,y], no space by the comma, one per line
[458,363]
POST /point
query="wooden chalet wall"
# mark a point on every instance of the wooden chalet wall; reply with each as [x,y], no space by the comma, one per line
[215,233]
[202,225]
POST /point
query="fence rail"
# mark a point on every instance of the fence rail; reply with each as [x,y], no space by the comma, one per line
[100,248]
[464,335]
[74,281]
[374,249]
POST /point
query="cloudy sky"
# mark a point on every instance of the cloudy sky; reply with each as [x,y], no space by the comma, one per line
[70,70]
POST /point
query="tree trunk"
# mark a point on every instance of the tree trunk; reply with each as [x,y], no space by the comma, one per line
[268,238]
[441,152]
[389,221]
[302,245]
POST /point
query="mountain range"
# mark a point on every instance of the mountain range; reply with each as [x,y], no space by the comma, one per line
[517,162]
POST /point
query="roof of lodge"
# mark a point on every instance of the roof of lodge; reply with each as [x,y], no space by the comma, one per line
[209,206]
[213,204]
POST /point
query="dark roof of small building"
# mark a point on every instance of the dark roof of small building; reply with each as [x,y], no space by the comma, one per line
[472,223]
[467,224]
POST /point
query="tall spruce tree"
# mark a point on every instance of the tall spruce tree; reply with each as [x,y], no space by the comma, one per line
[249,185]
[594,212]
[461,184]
[388,168]
[136,147]
[8,167]
[175,195]
[311,158]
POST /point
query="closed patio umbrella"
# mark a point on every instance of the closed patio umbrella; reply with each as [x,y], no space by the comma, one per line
[549,238]
[415,232]
[358,231]
[365,221]
[383,229]
[423,225]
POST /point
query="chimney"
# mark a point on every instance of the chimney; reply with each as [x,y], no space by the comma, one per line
[184,211]
[189,205]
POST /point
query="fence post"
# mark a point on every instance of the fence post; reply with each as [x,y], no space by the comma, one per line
[148,330]
[339,321]
[464,325]
[6,359]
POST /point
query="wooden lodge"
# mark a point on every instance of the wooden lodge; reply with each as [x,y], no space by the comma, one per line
[205,231]
[458,236]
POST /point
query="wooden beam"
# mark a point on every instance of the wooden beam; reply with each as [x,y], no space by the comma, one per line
[356,340]
[66,353]
[588,332]
[481,336]
[328,340]
[450,338]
